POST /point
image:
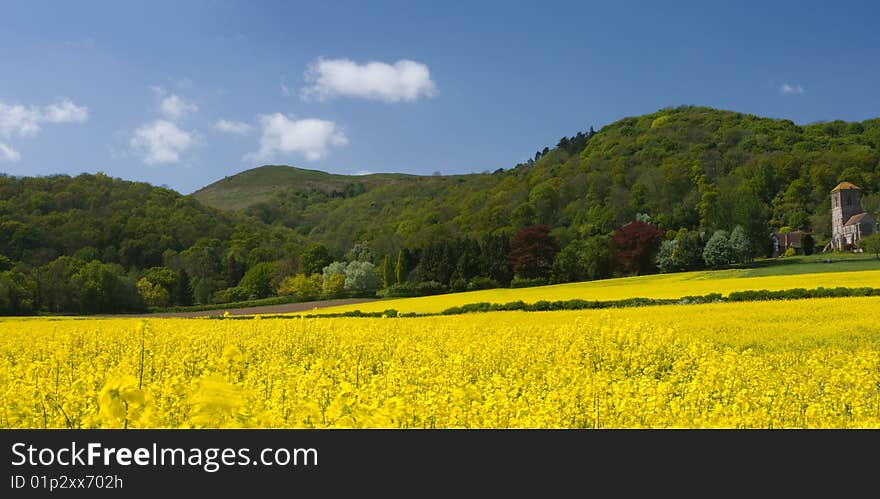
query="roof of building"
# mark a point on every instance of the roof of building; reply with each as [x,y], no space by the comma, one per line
[790,239]
[844,186]
[857,218]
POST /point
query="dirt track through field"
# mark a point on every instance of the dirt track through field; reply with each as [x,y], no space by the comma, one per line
[267,309]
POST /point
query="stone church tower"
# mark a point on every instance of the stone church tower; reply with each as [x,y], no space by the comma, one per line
[846,201]
[848,222]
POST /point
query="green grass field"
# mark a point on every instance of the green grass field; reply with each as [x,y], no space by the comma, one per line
[813,264]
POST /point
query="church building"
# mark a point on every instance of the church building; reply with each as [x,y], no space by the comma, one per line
[848,222]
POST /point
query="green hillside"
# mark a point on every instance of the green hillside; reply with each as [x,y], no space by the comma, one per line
[686,167]
[82,244]
[259,184]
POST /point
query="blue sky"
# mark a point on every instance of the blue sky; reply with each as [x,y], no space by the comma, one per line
[184,93]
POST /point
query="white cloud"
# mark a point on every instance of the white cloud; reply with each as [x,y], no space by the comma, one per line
[26,121]
[363,172]
[234,127]
[19,120]
[65,112]
[285,135]
[7,153]
[791,89]
[161,142]
[404,80]
[175,108]
[285,91]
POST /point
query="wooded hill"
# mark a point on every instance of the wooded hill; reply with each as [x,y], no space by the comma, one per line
[66,243]
[690,167]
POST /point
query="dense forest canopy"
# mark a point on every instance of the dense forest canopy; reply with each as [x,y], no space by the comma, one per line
[691,173]
[688,167]
[109,219]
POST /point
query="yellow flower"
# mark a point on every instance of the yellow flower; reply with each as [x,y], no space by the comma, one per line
[720,365]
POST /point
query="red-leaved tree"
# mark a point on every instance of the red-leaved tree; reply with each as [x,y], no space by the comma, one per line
[532,250]
[635,245]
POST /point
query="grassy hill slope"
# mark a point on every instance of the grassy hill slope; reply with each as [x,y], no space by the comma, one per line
[259,184]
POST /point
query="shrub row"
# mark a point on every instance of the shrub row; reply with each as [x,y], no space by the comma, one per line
[801,293]
[544,305]
[737,296]
[523,282]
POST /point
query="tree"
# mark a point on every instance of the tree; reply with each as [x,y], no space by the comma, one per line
[808,244]
[17,293]
[257,281]
[182,294]
[204,288]
[55,284]
[871,244]
[332,269]
[567,265]
[361,251]
[469,261]
[544,200]
[388,277]
[203,259]
[532,251]
[740,206]
[666,256]
[634,247]
[314,258]
[105,288]
[583,259]
[683,253]
[260,254]
[157,285]
[334,279]
[740,245]
[494,250]
[301,286]
[400,268]
[333,285]
[361,277]
[153,294]
[437,262]
[202,263]
[87,254]
[597,259]
[234,264]
[718,251]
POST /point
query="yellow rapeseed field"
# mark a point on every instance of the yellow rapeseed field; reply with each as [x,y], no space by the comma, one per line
[674,285]
[796,364]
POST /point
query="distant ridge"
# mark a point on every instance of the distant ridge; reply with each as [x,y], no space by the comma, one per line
[687,167]
[259,184]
